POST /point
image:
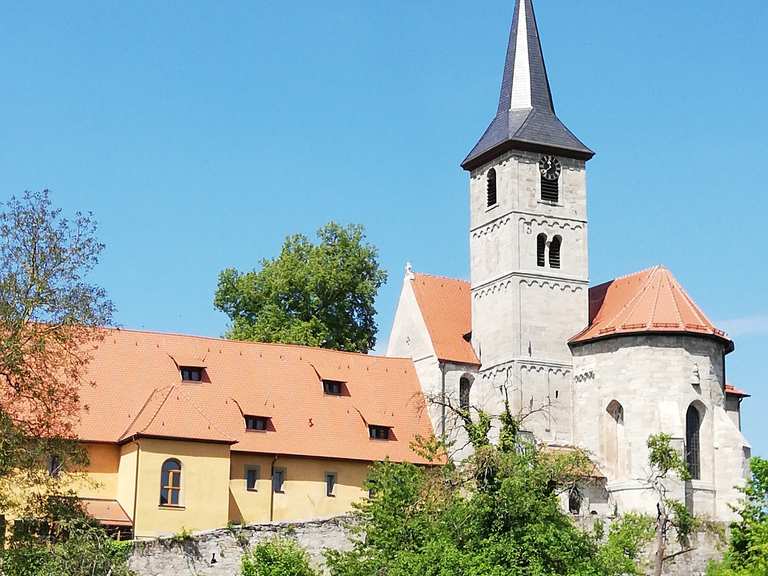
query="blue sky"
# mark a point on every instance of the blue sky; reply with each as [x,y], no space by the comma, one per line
[201,133]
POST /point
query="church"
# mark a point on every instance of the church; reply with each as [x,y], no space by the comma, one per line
[601,368]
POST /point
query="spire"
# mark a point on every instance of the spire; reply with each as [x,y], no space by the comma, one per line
[526,116]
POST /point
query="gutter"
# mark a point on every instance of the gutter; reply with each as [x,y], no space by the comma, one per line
[442,401]
[272,490]
[136,487]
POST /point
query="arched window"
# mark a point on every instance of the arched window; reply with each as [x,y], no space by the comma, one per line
[692,442]
[574,501]
[465,386]
[491,187]
[615,450]
[541,248]
[554,252]
[170,483]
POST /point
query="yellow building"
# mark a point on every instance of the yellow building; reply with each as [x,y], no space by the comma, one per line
[188,433]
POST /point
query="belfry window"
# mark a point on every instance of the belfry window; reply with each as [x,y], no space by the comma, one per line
[554,252]
[541,250]
[170,483]
[491,188]
[465,386]
[692,442]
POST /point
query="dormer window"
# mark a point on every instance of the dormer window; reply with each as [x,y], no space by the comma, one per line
[379,432]
[333,387]
[256,423]
[191,374]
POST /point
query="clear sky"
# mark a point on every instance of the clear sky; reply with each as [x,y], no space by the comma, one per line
[201,133]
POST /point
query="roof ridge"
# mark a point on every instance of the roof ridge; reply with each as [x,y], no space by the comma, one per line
[626,276]
[200,411]
[441,277]
[669,278]
[160,407]
[252,343]
[632,303]
[140,412]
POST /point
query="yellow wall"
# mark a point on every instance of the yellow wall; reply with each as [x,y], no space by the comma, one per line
[126,480]
[204,487]
[303,496]
[99,479]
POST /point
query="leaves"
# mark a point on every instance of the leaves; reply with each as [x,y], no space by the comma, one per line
[313,294]
[497,514]
[276,558]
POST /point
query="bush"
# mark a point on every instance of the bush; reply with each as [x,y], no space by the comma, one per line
[85,550]
[276,558]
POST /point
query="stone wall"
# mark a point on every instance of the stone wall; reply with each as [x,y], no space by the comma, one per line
[218,553]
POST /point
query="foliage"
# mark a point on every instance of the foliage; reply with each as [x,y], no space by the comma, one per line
[625,542]
[498,514]
[276,558]
[50,319]
[666,463]
[49,312]
[748,551]
[75,547]
[313,294]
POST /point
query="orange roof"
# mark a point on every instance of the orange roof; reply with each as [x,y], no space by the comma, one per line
[446,306]
[107,512]
[733,391]
[138,392]
[648,301]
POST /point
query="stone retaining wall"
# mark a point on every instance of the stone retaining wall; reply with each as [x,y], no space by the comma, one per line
[218,553]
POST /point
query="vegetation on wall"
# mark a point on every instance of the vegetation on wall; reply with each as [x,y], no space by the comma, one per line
[747,553]
[316,294]
[276,557]
[499,514]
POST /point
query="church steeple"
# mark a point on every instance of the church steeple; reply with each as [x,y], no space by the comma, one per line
[526,116]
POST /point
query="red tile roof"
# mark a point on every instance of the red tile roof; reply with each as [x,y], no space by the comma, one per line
[446,306]
[138,391]
[107,512]
[733,391]
[648,301]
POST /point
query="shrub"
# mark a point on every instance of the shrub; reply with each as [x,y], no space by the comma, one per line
[276,557]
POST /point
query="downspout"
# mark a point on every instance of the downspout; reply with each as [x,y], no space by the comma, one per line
[136,487]
[442,401]
[272,490]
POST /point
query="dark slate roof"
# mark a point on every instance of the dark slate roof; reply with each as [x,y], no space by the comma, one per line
[537,128]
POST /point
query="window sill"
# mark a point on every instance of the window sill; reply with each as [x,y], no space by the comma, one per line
[551,203]
[254,490]
[171,507]
[490,208]
[256,431]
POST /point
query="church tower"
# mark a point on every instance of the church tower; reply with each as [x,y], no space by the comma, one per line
[528,242]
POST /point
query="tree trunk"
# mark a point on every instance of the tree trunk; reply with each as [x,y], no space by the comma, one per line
[661,546]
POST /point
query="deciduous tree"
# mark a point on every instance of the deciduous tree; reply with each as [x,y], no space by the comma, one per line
[316,294]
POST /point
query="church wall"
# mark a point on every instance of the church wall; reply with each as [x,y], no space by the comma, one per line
[655,378]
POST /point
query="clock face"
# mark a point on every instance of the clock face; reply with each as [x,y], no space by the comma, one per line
[550,167]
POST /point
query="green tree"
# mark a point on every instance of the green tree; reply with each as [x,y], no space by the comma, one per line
[51,317]
[498,514]
[748,550]
[276,558]
[316,294]
[666,463]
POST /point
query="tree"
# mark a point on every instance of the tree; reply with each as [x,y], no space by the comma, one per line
[313,294]
[497,514]
[666,462]
[49,313]
[747,553]
[51,317]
